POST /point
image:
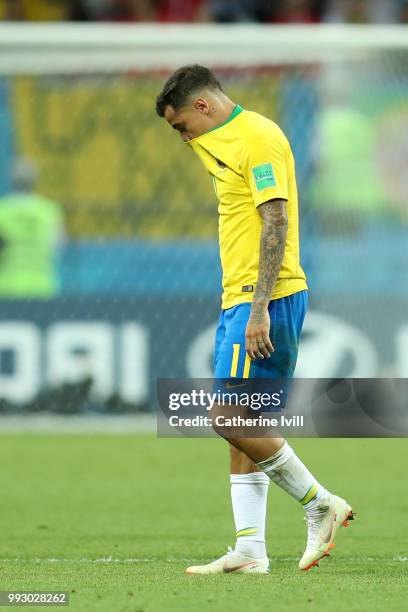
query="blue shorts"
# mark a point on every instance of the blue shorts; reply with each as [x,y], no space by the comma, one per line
[230,358]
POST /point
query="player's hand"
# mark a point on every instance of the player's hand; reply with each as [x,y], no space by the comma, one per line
[257,342]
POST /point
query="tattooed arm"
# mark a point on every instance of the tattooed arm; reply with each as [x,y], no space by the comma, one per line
[272,248]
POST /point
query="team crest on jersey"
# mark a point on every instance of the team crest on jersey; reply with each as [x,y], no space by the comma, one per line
[264,176]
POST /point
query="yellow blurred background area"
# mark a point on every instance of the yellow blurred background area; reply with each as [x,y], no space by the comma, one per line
[106,156]
[34,10]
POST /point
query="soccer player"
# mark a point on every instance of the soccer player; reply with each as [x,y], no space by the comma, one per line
[263,304]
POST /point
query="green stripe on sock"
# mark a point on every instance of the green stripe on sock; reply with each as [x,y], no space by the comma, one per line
[247,531]
[312,492]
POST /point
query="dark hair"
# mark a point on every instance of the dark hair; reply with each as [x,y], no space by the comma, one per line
[182,83]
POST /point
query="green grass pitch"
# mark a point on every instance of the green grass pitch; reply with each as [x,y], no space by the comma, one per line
[115,519]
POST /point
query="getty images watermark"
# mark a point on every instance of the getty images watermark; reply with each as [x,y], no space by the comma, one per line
[253,402]
[340,407]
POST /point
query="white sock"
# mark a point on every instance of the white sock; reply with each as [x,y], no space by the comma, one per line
[288,472]
[249,494]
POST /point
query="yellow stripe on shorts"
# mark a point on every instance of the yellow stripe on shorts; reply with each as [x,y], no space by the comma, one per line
[234,364]
[235,356]
[247,365]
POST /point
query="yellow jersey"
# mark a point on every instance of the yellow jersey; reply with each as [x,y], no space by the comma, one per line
[250,161]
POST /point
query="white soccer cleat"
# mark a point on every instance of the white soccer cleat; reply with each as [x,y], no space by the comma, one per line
[323,522]
[231,563]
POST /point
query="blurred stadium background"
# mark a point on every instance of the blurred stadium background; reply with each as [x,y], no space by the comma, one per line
[109,271]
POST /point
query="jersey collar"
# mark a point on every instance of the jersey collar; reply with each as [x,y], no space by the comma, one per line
[237,110]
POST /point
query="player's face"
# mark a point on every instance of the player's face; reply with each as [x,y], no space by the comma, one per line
[189,121]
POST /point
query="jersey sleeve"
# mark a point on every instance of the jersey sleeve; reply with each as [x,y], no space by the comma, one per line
[264,167]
